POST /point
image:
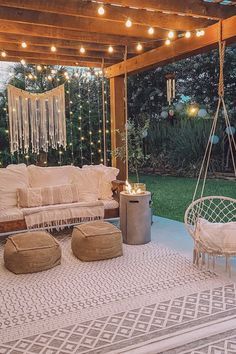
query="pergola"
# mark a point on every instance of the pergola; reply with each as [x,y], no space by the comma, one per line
[69,25]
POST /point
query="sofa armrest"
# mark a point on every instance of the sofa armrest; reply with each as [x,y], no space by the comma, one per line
[117,187]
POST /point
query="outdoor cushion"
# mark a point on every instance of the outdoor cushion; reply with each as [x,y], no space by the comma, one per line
[31,252]
[97,240]
[50,176]
[106,175]
[11,214]
[219,237]
[11,178]
[88,184]
[33,197]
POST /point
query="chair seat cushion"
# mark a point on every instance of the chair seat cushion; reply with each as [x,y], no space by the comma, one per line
[96,240]
[31,252]
[218,237]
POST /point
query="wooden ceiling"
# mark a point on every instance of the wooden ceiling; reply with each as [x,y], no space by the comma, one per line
[70,24]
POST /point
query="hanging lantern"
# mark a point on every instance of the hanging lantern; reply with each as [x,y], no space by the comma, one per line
[170,87]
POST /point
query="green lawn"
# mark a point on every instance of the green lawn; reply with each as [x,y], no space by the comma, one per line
[172,195]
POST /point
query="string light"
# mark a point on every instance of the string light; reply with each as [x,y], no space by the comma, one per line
[49,78]
[187,34]
[128,23]
[167,42]
[23,44]
[200,33]
[39,68]
[171,34]
[101,10]
[151,30]
[139,47]
[23,62]
[3,54]
[53,48]
[30,76]
[82,50]
[110,49]
[89,123]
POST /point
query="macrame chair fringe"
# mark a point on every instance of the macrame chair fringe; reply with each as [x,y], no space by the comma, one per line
[215,209]
[36,120]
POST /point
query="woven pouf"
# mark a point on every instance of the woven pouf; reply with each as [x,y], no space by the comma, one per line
[31,252]
[96,240]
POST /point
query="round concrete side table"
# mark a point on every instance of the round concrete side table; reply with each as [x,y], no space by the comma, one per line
[135,218]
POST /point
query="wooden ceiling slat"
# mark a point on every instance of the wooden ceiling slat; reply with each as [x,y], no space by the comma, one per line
[179,49]
[61,51]
[74,23]
[186,7]
[59,43]
[54,62]
[56,57]
[112,13]
[61,33]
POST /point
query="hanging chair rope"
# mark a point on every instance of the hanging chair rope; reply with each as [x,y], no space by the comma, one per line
[232,144]
[126,115]
[104,117]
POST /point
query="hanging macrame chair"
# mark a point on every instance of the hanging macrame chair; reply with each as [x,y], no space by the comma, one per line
[209,217]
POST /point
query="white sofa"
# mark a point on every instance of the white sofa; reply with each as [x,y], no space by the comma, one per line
[98,195]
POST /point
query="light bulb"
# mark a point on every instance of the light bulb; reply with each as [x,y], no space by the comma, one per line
[171,34]
[3,54]
[39,67]
[53,48]
[101,10]
[167,42]
[187,34]
[151,30]
[30,76]
[49,78]
[82,50]
[139,47]
[110,49]
[53,71]
[202,32]
[22,61]
[24,45]
[128,23]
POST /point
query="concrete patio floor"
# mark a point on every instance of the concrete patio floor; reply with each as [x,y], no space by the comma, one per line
[172,234]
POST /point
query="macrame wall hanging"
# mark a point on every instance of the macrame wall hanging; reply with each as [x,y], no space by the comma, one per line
[36,120]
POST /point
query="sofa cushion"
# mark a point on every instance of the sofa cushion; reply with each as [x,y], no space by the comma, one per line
[88,182]
[33,197]
[12,178]
[11,214]
[106,175]
[50,176]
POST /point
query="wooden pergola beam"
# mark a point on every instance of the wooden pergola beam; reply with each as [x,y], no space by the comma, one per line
[181,48]
[55,20]
[186,7]
[61,51]
[56,57]
[35,30]
[112,13]
[53,62]
[62,43]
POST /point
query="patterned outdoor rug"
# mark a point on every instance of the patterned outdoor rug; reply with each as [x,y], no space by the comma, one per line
[148,295]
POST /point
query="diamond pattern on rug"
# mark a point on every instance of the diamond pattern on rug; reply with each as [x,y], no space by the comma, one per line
[105,333]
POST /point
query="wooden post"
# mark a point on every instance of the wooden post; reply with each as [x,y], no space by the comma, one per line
[117,91]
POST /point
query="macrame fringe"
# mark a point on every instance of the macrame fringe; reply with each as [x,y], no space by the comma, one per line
[36,120]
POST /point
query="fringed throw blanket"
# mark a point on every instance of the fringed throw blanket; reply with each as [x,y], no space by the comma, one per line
[36,120]
[62,214]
